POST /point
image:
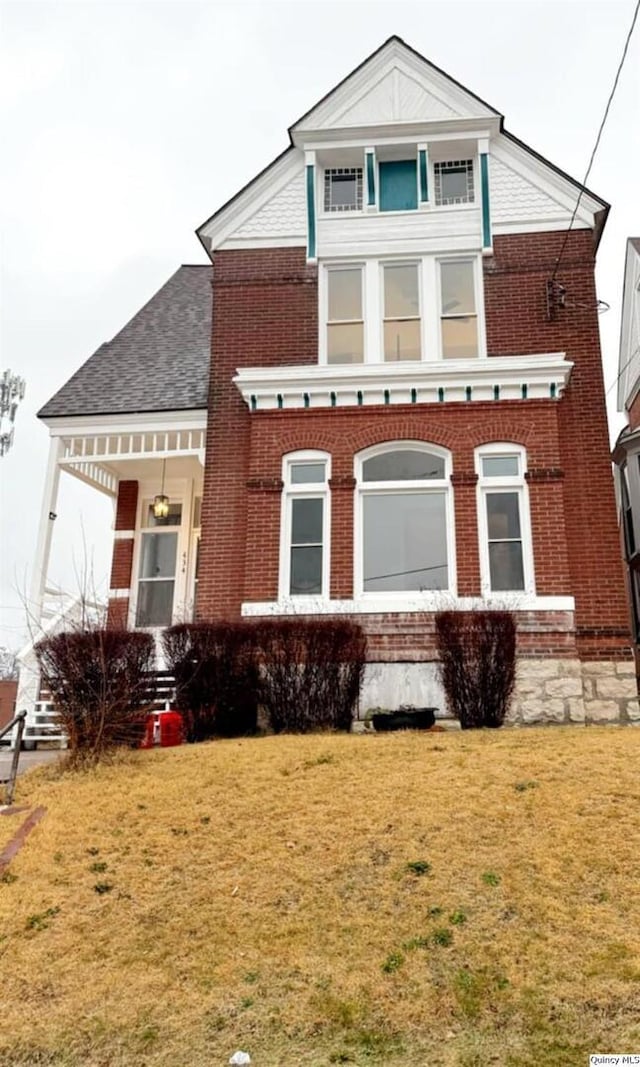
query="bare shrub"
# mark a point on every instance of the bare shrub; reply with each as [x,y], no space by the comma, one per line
[310,672]
[102,683]
[215,672]
[477,651]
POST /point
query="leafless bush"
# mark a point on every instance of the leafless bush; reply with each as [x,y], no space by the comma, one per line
[216,676]
[101,683]
[310,672]
[477,666]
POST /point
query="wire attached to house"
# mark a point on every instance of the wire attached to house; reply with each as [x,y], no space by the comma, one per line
[600,132]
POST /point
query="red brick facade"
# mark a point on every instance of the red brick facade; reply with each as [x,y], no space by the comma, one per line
[122,559]
[265,313]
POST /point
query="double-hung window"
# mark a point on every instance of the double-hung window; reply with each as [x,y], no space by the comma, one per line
[157,566]
[345,319]
[505,536]
[304,565]
[404,519]
[458,311]
[401,284]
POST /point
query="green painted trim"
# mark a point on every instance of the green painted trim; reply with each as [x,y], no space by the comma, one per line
[424,179]
[440,395]
[414,396]
[306,399]
[387,396]
[359,397]
[280,401]
[371,180]
[486,214]
[496,392]
[467,393]
[553,390]
[525,391]
[311,212]
[254,403]
[334,400]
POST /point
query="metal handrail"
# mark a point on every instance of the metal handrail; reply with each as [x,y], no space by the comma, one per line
[18,720]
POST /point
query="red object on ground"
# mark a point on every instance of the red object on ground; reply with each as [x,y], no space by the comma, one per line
[171,728]
[164,728]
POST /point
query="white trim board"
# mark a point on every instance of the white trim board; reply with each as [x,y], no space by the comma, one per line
[389,605]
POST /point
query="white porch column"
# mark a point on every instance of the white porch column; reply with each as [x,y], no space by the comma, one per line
[45,532]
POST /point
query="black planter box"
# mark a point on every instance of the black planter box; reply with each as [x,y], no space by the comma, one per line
[409,719]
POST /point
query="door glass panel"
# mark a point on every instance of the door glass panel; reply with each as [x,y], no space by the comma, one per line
[158,555]
[155,603]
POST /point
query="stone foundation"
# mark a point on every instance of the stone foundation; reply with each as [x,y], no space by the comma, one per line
[572,691]
[547,690]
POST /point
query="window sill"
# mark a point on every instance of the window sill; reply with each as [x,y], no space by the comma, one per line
[392,603]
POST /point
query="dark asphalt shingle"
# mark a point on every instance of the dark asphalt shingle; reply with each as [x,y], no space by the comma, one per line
[158,362]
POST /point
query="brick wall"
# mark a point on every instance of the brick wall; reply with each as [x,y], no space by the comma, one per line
[122,556]
[265,314]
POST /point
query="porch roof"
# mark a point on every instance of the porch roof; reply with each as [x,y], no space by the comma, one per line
[158,362]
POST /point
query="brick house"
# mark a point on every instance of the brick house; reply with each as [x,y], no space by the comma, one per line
[626,454]
[405,406]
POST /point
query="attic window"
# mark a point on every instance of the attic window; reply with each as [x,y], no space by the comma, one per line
[343,189]
[454,182]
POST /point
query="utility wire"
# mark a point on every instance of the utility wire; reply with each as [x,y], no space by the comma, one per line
[623,369]
[600,131]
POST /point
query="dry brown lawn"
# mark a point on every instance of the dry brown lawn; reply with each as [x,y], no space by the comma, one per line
[424,899]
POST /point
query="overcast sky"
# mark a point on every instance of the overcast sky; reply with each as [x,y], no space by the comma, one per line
[126,125]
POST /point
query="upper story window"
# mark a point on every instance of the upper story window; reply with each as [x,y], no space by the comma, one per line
[394,311]
[343,189]
[345,321]
[304,559]
[458,315]
[503,520]
[453,180]
[401,311]
[404,519]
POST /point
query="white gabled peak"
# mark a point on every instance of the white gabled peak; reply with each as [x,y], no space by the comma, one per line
[394,85]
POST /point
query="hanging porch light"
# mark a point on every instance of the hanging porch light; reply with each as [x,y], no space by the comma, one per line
[161,501]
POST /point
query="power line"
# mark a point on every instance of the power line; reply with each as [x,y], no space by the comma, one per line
[600,131]
[623,369]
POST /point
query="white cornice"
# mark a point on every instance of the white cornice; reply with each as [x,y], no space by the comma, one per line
[138,422]
[289,388]
[449,129]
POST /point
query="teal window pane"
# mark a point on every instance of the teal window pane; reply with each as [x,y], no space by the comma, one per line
[398,185]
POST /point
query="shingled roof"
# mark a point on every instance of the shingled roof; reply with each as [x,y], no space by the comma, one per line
[158,362]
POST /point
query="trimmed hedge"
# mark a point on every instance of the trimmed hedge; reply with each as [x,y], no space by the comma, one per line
[102,684]
[216,676]
[477,666]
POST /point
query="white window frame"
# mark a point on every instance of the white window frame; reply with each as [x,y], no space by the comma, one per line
[323,347]
[296,491]
[507,484]
[430,296]
[363,489]
[382,264]
[337,211]
[432,178]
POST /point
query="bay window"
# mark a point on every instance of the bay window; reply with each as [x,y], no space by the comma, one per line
[404,519]
[304,562]
[504,528]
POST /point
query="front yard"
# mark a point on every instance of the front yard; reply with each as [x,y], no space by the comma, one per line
[459,898]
